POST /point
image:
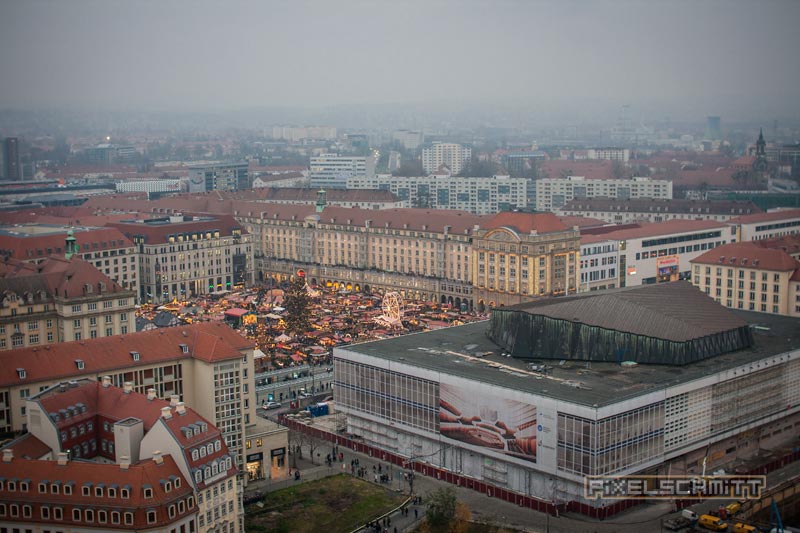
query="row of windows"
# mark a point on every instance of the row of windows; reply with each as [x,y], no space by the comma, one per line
[14,510]
[108,304]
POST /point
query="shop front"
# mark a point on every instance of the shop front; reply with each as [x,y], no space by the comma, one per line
[278,463]
[255,466]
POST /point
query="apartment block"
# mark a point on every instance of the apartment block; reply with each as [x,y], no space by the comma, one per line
[107,249]
[453,156]
[751,276]
[480,196]
[331,171]
[553,193]
[219,177]
[124,461]
[60,300]
[185,256]
[207,365]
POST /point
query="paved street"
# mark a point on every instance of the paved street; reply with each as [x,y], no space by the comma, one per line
[644,518]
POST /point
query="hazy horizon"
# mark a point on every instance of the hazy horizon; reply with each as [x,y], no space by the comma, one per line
[682,59]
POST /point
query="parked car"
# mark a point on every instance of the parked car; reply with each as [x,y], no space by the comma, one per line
[272,405]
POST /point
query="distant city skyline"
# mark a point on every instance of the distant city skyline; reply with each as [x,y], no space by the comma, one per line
[684,60]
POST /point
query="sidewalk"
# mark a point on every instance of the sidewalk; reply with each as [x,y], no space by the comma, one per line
[482,507]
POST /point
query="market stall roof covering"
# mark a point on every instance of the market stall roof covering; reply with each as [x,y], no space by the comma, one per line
[236,312]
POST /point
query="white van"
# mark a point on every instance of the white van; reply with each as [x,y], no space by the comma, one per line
[688,513]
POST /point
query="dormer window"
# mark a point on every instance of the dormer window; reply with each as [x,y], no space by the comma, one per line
[79,363]
[68,488]
[98,491]
[148,491]
[217,445]
[43,487]
[21,373]
[125,492]
[184,348]
[86,490]
[135,356]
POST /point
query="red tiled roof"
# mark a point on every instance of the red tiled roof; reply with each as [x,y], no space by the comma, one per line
[660,228]
[783,214]
[78,473]
[28,447]
[527,222]
[749,255]
[157,233]
[63,278]
[581,222]
[207,341]
[719,177]
[556,168]
[107,403]
[26,247]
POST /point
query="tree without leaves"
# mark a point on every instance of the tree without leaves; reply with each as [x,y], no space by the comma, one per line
[441,510]
[296,302]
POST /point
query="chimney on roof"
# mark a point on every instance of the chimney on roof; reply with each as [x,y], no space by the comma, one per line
[127,387]
[62,458]
[166,414]
[106,381]
[151,394]
[124,462]
[180,408]
[8,455]
[157,458]
[173,400]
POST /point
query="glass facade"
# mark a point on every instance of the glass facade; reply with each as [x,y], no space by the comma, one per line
[388,395]
[611,444]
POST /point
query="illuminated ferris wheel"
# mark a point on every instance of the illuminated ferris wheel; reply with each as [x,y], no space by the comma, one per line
[392,308]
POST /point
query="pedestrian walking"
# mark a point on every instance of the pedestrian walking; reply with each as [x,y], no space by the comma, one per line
[416,513]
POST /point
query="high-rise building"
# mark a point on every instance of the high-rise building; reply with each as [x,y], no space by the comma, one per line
[219,177]
[12,162]
[713,128]
[410,140]
[454,156]
[330,171]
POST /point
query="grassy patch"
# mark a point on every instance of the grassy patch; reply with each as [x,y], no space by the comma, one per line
[334,504]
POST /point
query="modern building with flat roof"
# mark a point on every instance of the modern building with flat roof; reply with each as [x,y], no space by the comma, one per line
[528,404]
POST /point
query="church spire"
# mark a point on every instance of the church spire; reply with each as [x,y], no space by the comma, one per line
[760,164]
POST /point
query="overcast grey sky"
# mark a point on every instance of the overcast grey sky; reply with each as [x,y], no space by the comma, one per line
[681,58]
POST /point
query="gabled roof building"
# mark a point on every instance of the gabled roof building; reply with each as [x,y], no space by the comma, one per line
[124,461]
[59,300]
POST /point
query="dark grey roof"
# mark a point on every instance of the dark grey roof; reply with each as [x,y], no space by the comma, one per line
[652,205]
[672,311]
[466,352]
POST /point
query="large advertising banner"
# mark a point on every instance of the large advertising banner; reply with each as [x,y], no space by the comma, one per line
[504,426]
